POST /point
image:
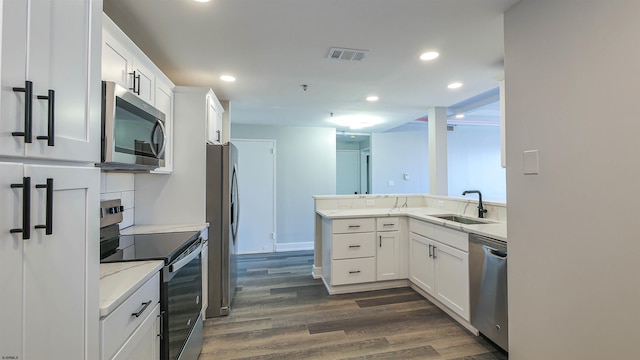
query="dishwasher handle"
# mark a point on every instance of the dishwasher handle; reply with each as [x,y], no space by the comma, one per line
[494,252]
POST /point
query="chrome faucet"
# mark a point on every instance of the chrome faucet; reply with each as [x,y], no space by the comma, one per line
[481,210]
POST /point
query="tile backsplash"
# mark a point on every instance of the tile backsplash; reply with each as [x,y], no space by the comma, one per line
[119,186]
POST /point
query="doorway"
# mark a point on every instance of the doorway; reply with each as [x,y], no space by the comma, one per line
[353,163]
[257,192]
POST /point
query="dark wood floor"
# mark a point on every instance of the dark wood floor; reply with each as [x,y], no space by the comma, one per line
[281,312]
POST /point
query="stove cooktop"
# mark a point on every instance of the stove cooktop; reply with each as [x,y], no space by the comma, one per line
[160,246]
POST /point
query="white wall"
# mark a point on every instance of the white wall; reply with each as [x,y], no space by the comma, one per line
[305,166]
[401,150]
[572,77]
[474,162]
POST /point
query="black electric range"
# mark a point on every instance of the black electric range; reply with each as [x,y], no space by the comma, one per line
[162,246]
[180,278]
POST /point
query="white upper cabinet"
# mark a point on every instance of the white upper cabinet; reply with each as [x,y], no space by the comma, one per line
[125,64]
[214,119]
[50,96]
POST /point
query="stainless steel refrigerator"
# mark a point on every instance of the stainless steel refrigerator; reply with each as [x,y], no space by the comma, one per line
[222,215]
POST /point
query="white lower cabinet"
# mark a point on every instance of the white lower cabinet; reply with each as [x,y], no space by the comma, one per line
[144,343]
[391,247]
[439,268]
[132,330]
[48,254]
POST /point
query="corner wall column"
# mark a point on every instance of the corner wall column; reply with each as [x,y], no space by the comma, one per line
[438,173]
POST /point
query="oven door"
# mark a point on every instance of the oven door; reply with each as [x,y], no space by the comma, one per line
[182,285]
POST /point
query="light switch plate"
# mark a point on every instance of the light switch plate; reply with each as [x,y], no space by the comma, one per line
[391,183]
[530,162]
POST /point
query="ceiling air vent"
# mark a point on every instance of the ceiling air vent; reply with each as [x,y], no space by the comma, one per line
[347,54]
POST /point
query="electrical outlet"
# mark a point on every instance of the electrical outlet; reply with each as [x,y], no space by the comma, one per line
[371,202]
[391,183]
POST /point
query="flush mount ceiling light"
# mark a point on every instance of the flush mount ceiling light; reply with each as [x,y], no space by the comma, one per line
[429,55]
[459,116]
[372,98]
[227,78]
[454,85]
[356,121]
[202,1]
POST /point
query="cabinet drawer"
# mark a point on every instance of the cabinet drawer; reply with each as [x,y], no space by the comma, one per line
[346,246]
[423,228]
[344,226]
[353,271]
[454,238]
[388,224]
[116,327]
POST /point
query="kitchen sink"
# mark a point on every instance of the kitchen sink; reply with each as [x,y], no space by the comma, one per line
[462,219]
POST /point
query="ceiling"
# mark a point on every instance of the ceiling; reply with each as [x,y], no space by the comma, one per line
[274,47]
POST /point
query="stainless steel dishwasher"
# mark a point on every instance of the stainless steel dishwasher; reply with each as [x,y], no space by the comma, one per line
[488,288]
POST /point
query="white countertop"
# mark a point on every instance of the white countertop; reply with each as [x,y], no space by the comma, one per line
[152,229]
[119,280]
[496,229]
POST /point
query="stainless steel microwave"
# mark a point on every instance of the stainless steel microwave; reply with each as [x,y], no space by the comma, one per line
[133,131]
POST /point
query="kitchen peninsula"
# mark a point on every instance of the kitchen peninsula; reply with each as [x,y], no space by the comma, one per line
[371,242]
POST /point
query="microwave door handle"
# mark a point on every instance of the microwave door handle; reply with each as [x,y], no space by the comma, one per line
[160,125]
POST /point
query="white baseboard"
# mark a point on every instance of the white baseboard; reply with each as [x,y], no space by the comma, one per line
[317,272]
[294,246]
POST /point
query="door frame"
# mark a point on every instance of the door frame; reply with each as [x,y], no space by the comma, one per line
[273,142]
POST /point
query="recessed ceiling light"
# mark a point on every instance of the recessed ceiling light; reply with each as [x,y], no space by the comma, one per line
[227,78]
[372,98]
[429,55]
[202,1]
[454,85]
[459,116]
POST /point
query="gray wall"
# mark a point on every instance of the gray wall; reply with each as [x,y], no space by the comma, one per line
[401,150]
[572,88]
[305,166]
[473,161]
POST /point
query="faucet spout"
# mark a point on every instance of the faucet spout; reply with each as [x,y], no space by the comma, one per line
[481,209]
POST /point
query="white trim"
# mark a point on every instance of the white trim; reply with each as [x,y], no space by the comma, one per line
[369,286]
[295,247]
[316,272]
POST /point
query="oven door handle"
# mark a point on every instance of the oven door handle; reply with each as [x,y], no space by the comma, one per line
[185,260]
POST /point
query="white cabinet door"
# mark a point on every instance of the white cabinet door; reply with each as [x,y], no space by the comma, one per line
[11,261]
[388,255]
[62,96]
[214,125]
[13,62]
[116,61]
[452,278]
[144,343]
[421,271]
[144,81]
[58,267]
[164,103]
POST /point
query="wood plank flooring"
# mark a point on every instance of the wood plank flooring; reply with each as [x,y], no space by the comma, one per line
[281,312]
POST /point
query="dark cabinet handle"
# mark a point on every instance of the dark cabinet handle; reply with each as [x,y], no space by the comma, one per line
[50,117]
[26,208]
[218,132]
[430,251]
[144,307]
[354,246]
[135,77]
[380,240]
[28,94]
[354,226]
[354,272]
[48,225]
[435,252]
